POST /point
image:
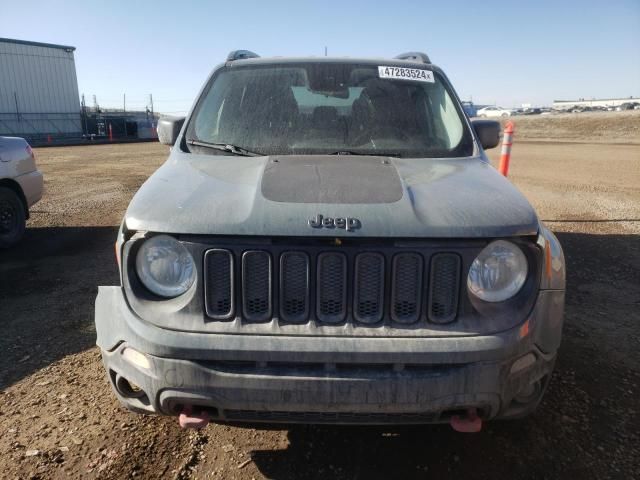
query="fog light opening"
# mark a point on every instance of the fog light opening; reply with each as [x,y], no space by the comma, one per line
[129,389]
[528,393]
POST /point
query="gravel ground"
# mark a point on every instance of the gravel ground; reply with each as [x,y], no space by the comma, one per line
[58,418]
[593,127]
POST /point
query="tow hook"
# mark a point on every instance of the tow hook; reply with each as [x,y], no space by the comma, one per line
[472,423]
[188,419]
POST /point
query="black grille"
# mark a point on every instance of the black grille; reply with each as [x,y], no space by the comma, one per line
[369,288]
[406,295]
[219,284]
[256,286]
[332,287]
[294,286]
[444,287]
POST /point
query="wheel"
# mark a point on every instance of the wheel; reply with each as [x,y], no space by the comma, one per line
[12,218]
[505,115]
[484,115]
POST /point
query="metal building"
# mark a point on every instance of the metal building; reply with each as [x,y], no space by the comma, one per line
[38,91]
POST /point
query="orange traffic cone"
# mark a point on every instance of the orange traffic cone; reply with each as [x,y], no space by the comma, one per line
[505,155]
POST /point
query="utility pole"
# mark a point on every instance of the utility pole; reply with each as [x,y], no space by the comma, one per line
[15,99]
[124,102]
[84,115]
[151,102]
[325,51]
[18,117]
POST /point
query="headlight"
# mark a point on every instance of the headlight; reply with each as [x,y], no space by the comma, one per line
[498,272]
[165,266]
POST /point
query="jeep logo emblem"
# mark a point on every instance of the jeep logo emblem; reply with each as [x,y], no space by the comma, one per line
[348,224]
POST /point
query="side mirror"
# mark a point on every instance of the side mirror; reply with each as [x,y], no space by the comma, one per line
[488,132]
[169,129]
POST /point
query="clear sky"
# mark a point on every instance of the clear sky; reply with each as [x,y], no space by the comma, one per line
[506,52]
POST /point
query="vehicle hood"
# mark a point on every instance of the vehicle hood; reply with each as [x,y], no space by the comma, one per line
[277,196]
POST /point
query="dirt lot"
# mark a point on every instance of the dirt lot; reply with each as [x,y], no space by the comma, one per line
[58,417]
[601,127]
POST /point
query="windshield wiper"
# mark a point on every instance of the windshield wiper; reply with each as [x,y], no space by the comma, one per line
[225,147]
[365,154]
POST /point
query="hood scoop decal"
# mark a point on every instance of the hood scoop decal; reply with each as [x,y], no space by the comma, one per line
[331,179]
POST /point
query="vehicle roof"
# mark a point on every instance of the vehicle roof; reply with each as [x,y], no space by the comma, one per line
[345,60]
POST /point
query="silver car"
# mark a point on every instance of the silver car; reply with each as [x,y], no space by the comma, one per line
[328,243]
[21,186]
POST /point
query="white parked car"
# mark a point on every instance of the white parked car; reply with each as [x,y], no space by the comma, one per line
[21,186]
[488,112]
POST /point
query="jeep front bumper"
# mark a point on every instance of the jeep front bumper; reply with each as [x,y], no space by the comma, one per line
[326,379]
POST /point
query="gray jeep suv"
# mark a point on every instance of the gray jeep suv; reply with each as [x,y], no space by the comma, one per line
[328,243]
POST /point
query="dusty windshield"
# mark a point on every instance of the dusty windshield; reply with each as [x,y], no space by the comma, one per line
[323,108]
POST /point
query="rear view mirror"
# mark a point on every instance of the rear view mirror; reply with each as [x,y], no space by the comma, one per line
[169,129]
[488,132]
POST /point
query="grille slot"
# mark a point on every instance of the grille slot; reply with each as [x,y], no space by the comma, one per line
[406,295]
[368,298]
[256,286]
[444,286]
[332,287]
[294,286]
[218,272]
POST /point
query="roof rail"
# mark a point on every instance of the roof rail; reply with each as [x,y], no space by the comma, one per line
[414,57]
[241,55]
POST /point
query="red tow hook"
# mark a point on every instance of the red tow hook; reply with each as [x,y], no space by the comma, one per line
[472,423]
[188,419]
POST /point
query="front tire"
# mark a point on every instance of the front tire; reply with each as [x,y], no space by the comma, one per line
[12,218]
[505,115]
